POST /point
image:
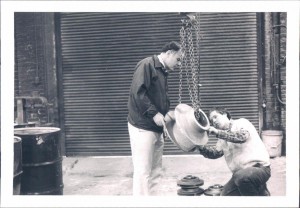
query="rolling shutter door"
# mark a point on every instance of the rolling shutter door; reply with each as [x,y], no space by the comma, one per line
[100,51]
[228,72]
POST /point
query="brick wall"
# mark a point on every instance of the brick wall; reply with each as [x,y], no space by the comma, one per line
[275,111]
[35,68]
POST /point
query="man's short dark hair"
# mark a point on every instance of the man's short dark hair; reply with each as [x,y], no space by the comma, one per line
[220,110]
[173,45]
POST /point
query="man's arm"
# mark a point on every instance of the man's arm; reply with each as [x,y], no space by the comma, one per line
[210,152]
[240,136]
[235,137]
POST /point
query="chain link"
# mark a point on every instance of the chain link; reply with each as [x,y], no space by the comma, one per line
[184,34]
[189,61]
[183,61]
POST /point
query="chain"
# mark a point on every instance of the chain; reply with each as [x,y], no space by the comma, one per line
[193,68]
[189,58]
[197,60]
[183,61]
[180,86]
[189,62]
[184,33]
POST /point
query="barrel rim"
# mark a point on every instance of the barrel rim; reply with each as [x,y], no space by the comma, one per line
[27,131]
[272,132]
[17,139]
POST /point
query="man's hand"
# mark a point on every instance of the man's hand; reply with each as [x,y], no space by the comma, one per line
[159,119]
[170,116]
[213,130]
[210,152]
[201,147]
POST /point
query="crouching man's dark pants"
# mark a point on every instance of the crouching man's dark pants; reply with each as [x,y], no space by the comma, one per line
[248,182]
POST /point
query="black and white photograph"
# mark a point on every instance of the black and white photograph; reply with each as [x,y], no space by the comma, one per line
[150,104]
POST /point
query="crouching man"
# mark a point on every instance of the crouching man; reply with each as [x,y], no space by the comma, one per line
[244,152]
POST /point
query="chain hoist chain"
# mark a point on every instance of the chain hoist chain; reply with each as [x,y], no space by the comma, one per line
[197,32]
[197,81]
[193,68]
[189,61]
[180,86]
[182,31]
[184,63]
[187,57]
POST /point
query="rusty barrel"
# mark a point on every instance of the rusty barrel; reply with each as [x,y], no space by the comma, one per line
[41,161]
[17,165]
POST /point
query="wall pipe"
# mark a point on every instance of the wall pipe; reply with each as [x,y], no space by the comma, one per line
[276,68]
[277,82]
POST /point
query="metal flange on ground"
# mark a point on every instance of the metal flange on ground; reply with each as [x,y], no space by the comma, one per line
[190,181]
[190,192]
[190,186]
[214,190]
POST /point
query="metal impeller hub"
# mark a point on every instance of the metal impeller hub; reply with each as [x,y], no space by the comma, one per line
[190,186]
[214,190]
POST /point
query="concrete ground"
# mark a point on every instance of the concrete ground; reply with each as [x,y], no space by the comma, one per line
[112,176]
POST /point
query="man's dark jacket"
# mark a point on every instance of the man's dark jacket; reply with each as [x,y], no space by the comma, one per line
[148,94]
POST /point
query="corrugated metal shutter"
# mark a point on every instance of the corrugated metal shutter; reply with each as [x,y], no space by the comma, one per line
[228,72]
[100,50]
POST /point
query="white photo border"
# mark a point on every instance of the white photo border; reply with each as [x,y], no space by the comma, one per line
[7,102]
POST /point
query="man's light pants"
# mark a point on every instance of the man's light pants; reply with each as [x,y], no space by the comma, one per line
[147,150]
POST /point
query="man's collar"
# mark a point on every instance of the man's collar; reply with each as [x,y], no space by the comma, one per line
[158,63]
[230,124]
[161,60]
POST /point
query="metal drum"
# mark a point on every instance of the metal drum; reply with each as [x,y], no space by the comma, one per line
[17,165]
[42,161]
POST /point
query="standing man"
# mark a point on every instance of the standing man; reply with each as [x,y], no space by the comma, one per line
[244,152]
[148,104]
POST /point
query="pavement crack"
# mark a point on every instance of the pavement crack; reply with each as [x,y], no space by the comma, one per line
[67,168]
[74,163]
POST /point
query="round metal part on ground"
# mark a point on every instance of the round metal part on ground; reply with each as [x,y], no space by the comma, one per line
[214,190]
[190,192]
[190,181]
